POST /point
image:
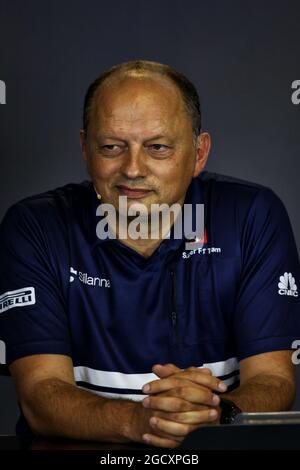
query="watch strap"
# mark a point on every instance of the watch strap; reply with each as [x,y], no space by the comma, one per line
[229,411]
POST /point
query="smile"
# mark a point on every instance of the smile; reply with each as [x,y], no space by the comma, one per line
[136,193]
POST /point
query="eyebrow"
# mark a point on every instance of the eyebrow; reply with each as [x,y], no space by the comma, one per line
[114,137]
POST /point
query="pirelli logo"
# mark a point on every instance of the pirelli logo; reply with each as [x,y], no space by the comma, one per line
[17,298]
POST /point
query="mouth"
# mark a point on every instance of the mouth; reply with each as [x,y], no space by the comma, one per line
[136,193]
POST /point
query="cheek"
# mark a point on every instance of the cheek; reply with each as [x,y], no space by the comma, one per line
[169,179]
[175,180]
[104,169]
[174,173]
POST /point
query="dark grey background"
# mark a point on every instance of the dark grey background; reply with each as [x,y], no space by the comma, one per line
[242,56]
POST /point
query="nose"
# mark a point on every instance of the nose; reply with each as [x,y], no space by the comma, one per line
[134,164]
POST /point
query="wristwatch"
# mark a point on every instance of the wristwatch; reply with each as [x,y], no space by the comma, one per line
[229,411]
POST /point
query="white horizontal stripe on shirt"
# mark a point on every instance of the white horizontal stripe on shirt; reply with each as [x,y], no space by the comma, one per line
[112,379]
[133,397]
[136,381]
[223,367]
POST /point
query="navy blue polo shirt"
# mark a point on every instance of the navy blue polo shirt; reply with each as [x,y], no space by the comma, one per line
[116,313]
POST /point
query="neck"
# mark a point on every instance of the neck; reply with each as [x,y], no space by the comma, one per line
[145,234]
[144,247]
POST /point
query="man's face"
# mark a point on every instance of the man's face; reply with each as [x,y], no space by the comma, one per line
[140,144]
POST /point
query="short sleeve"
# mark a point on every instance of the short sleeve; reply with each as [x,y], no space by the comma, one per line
[33,317]
[267,314]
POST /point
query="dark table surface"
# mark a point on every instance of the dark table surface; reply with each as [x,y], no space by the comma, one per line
[11,442]
[236,437]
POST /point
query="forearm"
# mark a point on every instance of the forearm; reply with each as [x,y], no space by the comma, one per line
[57,408]
[264,393]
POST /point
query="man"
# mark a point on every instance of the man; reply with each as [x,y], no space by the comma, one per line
[137,339]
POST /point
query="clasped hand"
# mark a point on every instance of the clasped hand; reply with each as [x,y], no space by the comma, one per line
[179,402]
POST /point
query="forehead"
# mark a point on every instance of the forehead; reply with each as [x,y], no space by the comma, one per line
[143,101]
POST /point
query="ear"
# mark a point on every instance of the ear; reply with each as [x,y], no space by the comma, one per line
[82,137]
[202,151]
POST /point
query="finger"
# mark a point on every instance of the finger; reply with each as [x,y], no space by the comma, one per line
[170,404]
[165,435]
[196,376]
[190,393]
[205,370]
[189,417]
[153,440]
[206,379]
[178,429]
[165,370]
[169,384]
[194,394]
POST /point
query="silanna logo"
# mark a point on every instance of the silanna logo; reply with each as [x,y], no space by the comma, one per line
[84,278]
[287,285]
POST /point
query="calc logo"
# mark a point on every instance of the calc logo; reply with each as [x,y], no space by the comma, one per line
[287,285]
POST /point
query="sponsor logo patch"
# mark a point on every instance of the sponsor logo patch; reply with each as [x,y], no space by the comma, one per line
[17,298]
[84,278]
[287,285]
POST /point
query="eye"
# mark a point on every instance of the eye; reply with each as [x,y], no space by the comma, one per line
[158,147]
[110,149]
[159,150]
